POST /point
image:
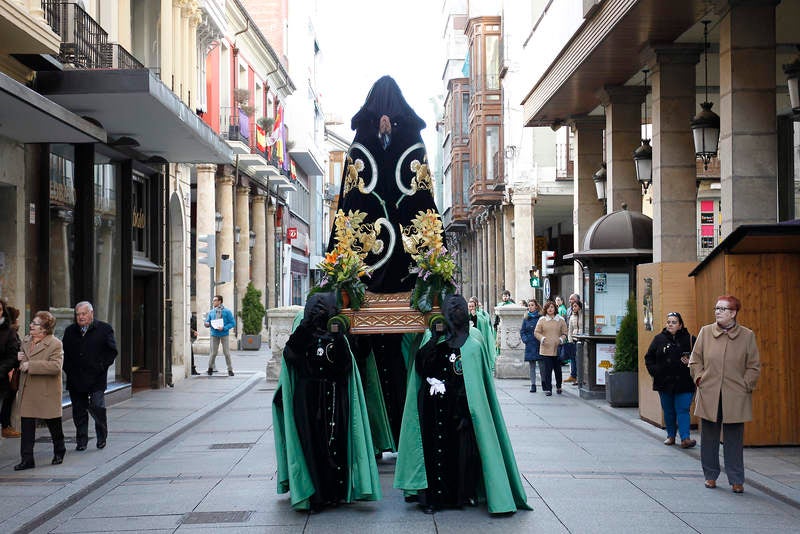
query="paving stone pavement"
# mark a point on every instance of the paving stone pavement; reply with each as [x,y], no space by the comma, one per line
[200,458]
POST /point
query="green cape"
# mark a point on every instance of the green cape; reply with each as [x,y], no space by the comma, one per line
[488,333]
[364,483]
[502,485]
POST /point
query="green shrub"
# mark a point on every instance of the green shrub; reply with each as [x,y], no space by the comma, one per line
[252,312]
[626,355]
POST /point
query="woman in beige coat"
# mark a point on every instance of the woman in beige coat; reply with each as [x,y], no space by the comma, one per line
[725,366]
[39,393]
[551,331]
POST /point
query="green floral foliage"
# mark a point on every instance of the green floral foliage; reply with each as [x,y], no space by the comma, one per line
[252,312]
[626,356]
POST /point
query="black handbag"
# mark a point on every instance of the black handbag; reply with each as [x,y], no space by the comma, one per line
[566,352]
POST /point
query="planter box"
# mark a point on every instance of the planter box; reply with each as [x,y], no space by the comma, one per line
[251,342]
[622,389]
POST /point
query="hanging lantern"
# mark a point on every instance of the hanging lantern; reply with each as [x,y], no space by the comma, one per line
[600,178]
[792,71]
[643,155]
[705,125]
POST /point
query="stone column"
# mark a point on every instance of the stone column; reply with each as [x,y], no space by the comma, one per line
[272,288]
[206,208]
[242,265]
[280,328]
[494,282]
[258,266]
[477,279]
[225,237]
[497,253]
[674,171]
[60,293]
[508,249]
[511,361]
[523,233]
[748,137]
[585,205]
[623,134]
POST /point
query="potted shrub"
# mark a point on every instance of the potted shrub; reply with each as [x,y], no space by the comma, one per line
[622,383]
[252,314]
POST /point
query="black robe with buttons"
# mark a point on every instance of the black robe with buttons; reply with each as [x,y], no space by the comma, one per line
[322,363]
[452,461]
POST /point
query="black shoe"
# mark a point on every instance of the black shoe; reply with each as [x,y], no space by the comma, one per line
[533,389]
[558,391]
[210,372]
[194,371]
[230,373]
[412,498]
[24,465]
[548,393]
[58,459]
[80,447]
[428,509]
[101,443]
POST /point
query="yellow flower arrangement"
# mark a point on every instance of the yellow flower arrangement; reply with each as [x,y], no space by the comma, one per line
[435,266]
[343,267]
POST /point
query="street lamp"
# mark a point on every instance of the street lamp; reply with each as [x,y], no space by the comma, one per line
[237,234]
[792,71]
[600,178]
[252,239]
[705,125]
[218,222]
[643,155]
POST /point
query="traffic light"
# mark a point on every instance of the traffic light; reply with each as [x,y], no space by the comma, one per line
[534,274]
[225,268]
[207,250]
[548,262]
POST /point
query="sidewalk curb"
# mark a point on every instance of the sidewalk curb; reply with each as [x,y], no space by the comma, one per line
[783,493]
[44,510]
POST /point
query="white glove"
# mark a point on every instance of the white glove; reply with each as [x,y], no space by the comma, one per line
[437,386]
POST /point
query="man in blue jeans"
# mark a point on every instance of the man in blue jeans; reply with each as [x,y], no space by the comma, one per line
[220,320]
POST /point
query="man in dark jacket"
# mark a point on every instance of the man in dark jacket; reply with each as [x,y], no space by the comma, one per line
[89,350]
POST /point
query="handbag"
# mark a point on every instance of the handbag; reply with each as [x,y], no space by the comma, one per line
[14,380]
[566,352]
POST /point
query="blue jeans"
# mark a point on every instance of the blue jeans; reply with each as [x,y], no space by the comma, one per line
[676,412]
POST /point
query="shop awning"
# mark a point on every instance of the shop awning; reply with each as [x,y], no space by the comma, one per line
[28,117]
[605,51]
[136,104]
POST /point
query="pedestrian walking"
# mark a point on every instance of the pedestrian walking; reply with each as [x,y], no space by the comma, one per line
[551,331]
[9,363]
[220,320]
[725,367]
[526,333]
[667,361]
[569,349]
[193,335]
[89,350]
[41,360]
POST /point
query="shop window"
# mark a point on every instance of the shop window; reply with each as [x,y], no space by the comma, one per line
[139,201]
[62,235]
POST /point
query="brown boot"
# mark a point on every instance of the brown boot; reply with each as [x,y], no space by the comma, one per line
[688,443]
[10,432]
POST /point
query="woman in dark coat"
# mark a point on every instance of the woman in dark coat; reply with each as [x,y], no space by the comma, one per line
[667,361]
[531,343]
[9,346]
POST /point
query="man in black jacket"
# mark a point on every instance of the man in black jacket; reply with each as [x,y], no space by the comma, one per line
[89,350]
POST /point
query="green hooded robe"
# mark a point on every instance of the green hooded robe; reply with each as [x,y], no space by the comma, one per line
[293,475]
[502,485]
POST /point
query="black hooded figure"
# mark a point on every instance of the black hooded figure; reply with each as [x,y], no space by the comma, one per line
[386,176]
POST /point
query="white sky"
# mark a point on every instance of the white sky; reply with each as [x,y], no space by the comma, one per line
[362,40]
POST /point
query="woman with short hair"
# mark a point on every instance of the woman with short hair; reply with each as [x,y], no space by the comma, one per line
[551,331]
[531,343]
[725,366]
[39,394]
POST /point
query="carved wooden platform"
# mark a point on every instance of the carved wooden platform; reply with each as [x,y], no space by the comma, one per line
[387,313]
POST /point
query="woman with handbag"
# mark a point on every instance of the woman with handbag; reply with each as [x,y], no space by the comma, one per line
[551,331]
[531,343]
[9,346]
[41,361]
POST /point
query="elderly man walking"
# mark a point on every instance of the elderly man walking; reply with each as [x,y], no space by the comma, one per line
[89,350]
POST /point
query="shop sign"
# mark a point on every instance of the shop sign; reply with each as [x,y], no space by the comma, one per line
[291,233]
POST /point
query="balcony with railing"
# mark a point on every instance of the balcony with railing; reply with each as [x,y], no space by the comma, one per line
[239,129]
[84,43]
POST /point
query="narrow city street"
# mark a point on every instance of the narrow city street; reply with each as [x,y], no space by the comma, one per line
[200,458]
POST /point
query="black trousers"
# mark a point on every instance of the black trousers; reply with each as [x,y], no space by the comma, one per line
[547,366]
[28,428]
[83,404]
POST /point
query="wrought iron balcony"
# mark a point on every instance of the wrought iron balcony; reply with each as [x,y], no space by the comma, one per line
[84,43]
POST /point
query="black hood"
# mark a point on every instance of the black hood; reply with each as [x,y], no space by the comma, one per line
[385,98]
[319,308]
[456,315]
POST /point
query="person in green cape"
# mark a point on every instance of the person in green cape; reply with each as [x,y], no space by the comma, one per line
[322,436]
[454,448]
